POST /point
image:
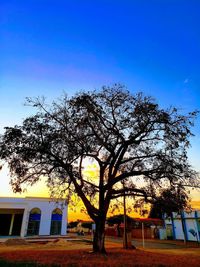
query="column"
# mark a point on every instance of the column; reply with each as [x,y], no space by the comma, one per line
[11,224]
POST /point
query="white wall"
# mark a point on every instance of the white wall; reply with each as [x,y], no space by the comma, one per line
[191,224]
[46,206]
[178,229]
[190,221]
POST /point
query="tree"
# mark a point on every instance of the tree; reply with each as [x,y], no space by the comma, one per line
[72,224]
[87,225]
[118,219]
[174,199]
[132,141]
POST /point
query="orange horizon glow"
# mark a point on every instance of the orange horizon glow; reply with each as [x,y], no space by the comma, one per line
[74,213]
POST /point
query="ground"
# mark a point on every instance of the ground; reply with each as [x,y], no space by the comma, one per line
[76,253]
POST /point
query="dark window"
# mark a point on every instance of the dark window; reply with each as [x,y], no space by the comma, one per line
[56,222]
[34,222]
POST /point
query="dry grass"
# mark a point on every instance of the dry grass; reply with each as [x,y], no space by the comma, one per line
[66,253]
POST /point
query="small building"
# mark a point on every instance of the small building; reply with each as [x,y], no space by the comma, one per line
[149,226]
[32,216]
[183,226]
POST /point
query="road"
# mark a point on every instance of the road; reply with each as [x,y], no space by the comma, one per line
[152,244]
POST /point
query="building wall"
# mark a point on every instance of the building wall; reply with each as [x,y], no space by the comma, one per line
[190,222]
[46,205]
[178,229]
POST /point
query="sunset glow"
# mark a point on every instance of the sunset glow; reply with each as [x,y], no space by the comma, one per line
[48,48]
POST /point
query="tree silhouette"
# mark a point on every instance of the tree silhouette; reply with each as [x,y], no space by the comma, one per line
[174,199]
[131,140]
[118,220]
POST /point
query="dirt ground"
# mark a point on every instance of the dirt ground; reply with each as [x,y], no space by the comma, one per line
[76,254]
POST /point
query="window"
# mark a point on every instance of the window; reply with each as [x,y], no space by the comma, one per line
[56,222]
[34,222]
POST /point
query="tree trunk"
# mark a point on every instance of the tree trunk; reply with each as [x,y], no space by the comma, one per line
[99,237]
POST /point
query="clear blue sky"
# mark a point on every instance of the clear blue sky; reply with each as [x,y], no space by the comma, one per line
[47,47]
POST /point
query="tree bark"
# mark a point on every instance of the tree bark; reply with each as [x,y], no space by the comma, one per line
[99,237]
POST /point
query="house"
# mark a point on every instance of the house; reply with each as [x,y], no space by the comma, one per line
[32,216]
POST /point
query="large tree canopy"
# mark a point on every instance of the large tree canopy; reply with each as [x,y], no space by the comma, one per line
[132,141]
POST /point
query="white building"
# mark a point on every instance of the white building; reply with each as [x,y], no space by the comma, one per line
[32,216]
[186,222]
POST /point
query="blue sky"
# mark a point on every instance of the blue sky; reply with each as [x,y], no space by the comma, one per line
[47,47]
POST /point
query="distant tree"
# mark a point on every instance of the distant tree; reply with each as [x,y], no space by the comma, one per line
[72,224]
[131,139]
[118,219]
[87,225]
[174,199]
